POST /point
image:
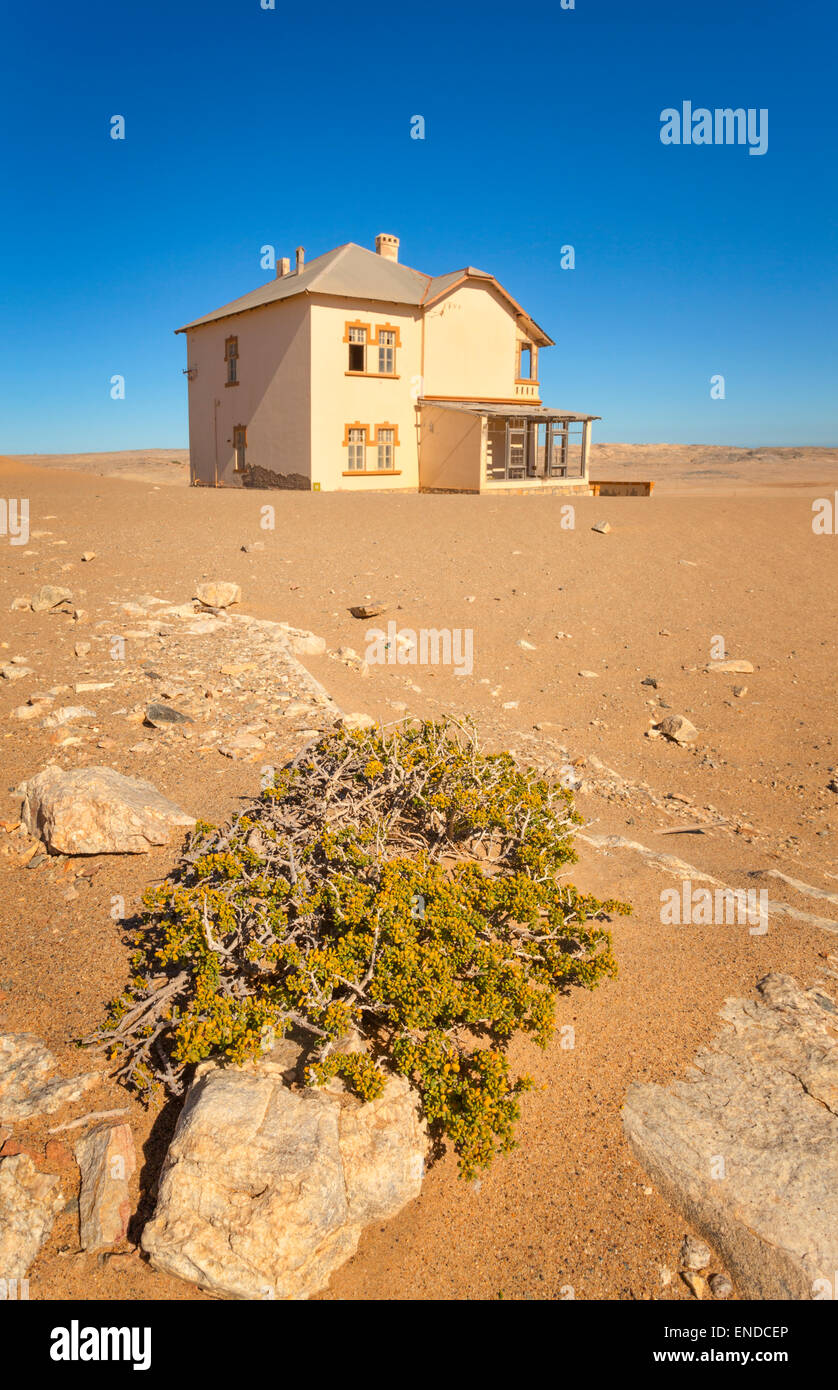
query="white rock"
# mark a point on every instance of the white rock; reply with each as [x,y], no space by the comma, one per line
[740,668]
[96,810]
[67,714]
[27,1086]
[264,1191]
[29,1203]
[218,593]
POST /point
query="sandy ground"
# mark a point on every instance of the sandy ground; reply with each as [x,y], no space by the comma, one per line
[571,1209]
[673,467]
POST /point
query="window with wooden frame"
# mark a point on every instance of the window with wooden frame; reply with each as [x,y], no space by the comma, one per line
[386,352]
[386,439]
[357,336]
[239,448]
[356,448]
[361,338]
[527,362]
[231,357]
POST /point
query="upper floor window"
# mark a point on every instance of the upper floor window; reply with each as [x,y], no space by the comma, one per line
[525,362]
[231,357]
[357,349]
[386,351]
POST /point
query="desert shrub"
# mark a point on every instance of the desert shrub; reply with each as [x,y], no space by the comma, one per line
[403,885]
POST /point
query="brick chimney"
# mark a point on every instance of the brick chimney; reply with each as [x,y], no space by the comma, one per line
[301,259]
[387,246]
[283,267]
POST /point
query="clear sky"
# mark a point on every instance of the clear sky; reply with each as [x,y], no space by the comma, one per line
[247,126]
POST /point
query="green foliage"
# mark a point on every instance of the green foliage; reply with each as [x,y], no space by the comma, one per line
[405,887]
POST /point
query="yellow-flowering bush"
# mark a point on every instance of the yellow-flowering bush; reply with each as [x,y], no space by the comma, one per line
[403,886]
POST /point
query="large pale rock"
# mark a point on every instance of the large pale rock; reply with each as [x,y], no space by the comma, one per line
[29,1203]
[747,1146]
[95,810]
[50,596]
[107,1161]
[265,1190]
[25,1088]
[218,593]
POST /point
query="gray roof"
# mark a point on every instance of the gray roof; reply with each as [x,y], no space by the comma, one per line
[349,271]
[352,272]
[535,412]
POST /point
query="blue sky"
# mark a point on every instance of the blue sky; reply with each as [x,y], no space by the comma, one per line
[291,126]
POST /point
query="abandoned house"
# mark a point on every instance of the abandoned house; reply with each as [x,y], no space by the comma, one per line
[355,372]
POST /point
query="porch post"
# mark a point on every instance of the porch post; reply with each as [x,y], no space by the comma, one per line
[586,445]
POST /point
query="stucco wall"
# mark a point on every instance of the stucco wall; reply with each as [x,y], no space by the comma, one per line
[272,398]
[450,449]
[471,341]
[339,400]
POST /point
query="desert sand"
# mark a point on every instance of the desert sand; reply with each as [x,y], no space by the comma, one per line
[724,548]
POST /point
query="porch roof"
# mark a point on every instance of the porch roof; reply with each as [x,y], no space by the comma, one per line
[529,412]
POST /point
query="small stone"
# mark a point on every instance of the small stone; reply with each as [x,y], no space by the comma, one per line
[601,527]
[357,721]
[218,593]
[720,1286]
[740,668]
[372,609]
[651,681]
[590,675]
[739,691]
[307,644]
[82,648]
[67,714]
[88,555]
[161,715]
[696,1283]
[694,1253]
[678,729]
[253,545]
[527,646]
[50,596]
[13,672]
[26,712]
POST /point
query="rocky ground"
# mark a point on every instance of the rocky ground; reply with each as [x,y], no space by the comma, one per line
[642,607]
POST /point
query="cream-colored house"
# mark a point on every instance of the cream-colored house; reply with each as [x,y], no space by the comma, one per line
[355,372]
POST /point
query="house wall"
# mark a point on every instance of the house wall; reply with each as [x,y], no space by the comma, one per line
[450,450]
[339,400]
[272,398]
[471,339]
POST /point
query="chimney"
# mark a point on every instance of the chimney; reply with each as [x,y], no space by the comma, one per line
[387,246]
[301,259]
[283,267]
